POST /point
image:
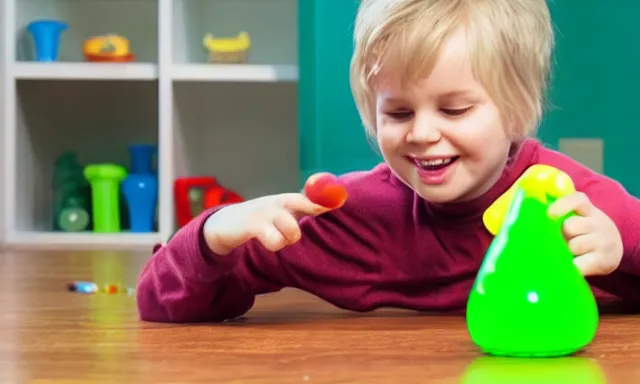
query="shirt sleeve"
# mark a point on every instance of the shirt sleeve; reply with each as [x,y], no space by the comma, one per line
[336,259]
[184,281]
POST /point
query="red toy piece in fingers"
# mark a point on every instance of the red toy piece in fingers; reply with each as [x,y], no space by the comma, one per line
[325,189]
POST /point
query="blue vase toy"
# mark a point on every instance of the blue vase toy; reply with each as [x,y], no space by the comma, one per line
[141,158]
[140,189]
[46,38]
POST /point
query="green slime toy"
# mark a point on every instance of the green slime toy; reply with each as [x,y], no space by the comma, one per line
[529,299]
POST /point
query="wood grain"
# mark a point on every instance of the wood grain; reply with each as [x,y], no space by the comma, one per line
[49,335]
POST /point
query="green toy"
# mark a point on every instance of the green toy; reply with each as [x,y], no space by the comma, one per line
[73,219]
[71,195]
[529,299]
[105,182]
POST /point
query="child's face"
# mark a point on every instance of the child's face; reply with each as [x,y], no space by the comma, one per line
[447,116]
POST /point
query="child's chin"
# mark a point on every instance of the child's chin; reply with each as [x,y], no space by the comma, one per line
[438,195]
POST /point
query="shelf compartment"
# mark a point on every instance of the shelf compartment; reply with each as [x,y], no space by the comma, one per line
[95,119]
[243,134]
[235,72]
[271,25]
[133,19]
[85,71]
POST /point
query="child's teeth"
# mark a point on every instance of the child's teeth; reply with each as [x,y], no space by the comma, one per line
[435,162]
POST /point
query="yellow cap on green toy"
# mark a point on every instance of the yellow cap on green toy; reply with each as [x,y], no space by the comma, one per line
[539,181]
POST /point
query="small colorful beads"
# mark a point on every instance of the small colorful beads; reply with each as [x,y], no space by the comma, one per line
[91,288]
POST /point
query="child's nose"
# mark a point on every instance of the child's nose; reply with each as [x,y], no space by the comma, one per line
[424,130]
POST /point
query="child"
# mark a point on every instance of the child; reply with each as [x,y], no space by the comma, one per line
[450,89]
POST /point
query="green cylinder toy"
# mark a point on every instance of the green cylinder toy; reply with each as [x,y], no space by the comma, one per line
[529,299]
[105,182]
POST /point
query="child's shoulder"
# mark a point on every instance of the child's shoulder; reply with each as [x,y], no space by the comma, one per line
[580,173]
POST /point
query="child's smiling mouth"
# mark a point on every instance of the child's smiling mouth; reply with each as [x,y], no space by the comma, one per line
[433,169]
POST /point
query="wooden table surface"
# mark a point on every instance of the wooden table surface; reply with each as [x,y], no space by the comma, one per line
[49,335]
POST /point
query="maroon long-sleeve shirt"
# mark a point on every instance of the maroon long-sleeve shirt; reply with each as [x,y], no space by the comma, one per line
[385,247]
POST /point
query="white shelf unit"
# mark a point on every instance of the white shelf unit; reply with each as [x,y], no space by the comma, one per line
[235,122]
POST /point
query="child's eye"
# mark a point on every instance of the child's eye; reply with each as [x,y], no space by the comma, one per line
[455,112]
[400,115]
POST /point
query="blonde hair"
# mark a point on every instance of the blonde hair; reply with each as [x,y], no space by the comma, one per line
[511,43]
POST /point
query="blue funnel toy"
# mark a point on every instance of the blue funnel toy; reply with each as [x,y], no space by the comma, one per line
[46,38]
[141,158]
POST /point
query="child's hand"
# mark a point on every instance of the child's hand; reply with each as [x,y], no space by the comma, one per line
[273,220]
[592,236]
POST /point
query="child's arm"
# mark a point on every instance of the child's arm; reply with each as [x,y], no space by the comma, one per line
[185,282]
[336,258]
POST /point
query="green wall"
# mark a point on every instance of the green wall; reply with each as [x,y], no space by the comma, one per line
[595,82]
[593,93]
[331,133]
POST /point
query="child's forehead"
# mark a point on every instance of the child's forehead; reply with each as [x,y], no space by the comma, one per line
[448,70]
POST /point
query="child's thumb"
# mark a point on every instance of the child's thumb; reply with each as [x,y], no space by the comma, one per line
[300,205]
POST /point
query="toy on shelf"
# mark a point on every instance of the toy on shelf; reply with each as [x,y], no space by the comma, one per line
[218,195]
[105,180]
[107,48]
[141,156]
[72,195]
[46,36]
[182,190]
[196,201]
[194,194]
[229,50]
[529,299]
[74,218]
[105,197]
[140,188]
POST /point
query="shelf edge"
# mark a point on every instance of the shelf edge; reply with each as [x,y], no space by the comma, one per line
[62,240]
[84,71]
[234,72]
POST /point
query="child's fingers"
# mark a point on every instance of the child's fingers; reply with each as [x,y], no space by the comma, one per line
[299,205]
[287,225]
[576,226]
[591,264]
[271,238]
[577,202]
[278,231]
[581,245]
